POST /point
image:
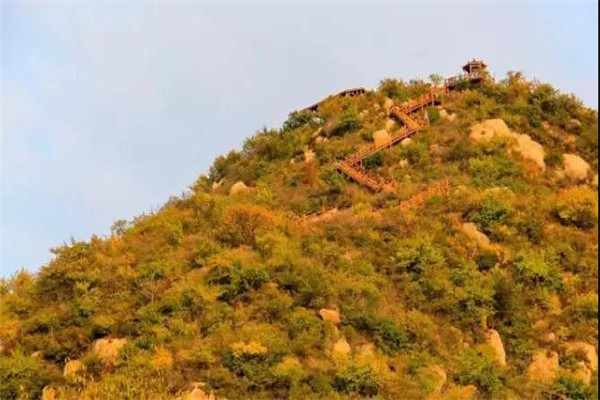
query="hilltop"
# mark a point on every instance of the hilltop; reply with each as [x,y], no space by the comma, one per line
[425,240]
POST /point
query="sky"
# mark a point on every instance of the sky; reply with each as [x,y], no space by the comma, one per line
[108,108]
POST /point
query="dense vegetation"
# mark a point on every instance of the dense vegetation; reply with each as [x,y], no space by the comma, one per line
[226,289]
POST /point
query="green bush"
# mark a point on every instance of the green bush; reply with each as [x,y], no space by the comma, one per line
[569,388]
[22,377]
[358,380]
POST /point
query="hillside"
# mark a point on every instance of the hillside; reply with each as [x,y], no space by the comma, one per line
[418,241]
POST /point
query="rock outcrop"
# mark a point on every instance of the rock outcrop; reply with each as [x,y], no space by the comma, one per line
[238,187]
[381,138]
[543,367]
[72,369]
[49,393]
[525,146]
[330,315]
[584,351]
[575,168]
[495,342]
[470,229]
[341,347]
[107,349]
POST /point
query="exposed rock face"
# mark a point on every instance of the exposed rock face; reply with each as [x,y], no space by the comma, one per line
[543,367]
[199,394]
[576,168]
[584,351]
[238,187]
[49,393]
[470,229]
[72,369]
[381,138]
[495,342]
[548,338]
[527,147]
[341,347]
[108,350]
[330,315]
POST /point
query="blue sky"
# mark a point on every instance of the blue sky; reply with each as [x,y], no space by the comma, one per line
[108,108]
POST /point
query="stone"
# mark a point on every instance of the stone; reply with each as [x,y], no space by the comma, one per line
[199,394]
[309,155]
[48,393]
[387,104]
[525,146]
[330,315]
[583,351]
[367,350]
[341,347]
[381,138]
[436,150]
[320,140]
[239,187]
[575,167]
[217,185]
[447,116]
[595,180]
[389,124]
[543,367]
[470,229]
[548,338]
[406,142]
[403,163]
[72,369]
[495,342]
[108,349]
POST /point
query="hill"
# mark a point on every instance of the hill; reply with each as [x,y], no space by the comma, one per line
[421,240]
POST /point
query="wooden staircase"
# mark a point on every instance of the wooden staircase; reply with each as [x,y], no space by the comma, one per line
[437,189]
[351,165]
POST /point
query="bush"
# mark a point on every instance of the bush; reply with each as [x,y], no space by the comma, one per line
[477,369]
[577,206]
[349,121]
[569,388]
[492,171]
[22,377]
[356,380]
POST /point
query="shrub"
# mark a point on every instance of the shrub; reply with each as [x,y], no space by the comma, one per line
[535,269]
[577,206]
[477,369]
[491,171]
[349,121]
[359,380]
[374,161]
[22,376]
[569,388]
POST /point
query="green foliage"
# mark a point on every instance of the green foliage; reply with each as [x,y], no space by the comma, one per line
[578,206]
[569,388]
[490,213]
[494,171]
[478,369]
[374,161]
[237,281]
[349,121]
[22,377]
[358,380]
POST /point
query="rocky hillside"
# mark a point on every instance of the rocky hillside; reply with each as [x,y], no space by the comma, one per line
[277,276]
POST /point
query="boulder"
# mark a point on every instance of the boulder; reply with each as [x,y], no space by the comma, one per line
[495,342]
[341,347]
[48,393]
[72,369]
[447,116]
[108,349]
[576,168]
[525,146]
[583,351]
[403,163]
[330,315]
[381,138]
[317,133]
[547,338]
[389,124]
[406,142]
[387,104]
[470,229]
[309,155]
[199,394]
[239,187]
[543,367]
[217,185]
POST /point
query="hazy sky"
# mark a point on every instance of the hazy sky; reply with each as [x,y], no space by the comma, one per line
[108,108]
